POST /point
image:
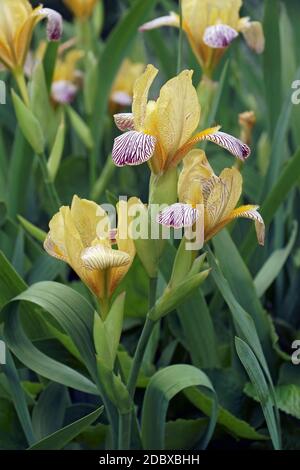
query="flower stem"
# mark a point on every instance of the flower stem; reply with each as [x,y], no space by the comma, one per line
[139,354]
[124,430]
[49,185]
[180,41]
[21,82]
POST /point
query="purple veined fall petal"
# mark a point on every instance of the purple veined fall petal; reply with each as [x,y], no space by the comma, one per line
[178,216]
[133,148]
[63,91]
[54,23]
[124,121]
[235,146]
[219,36]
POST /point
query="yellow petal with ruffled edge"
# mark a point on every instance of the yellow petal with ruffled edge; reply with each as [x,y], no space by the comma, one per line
[196,170]
[17,21]
[253,34]
[124,241]
[177,112]
[66,68]
[127,75]
[140,96]
[224,194]
[90,219]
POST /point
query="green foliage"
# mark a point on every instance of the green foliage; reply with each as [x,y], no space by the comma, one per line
[195,351]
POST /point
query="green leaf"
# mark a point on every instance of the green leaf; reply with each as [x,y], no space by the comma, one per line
[231,423]
[274,264]
[80,127]
[18,397]
[174,296]
[44,420]
[287,398]
[71,311]
[184,434]
[115,50]
[279,142]
[57,150]
[20,169]
[272,60]
[243,322]
[61,438]
[288,178]
[40,104]
[241,285]
[107,333]
[258,380]
[195,320]
[29,125]
[218,95]
[37,361]
[163,386]
[34,231]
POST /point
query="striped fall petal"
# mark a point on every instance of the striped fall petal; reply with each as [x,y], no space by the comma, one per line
[233,145]
[251,212]
[54,23]
[100,257]
[124,121]
[219,36]
[133,148]
[178,216]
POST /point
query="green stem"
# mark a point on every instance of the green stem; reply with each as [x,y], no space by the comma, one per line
[124,431]
[139,354]
[49,185]
[104,179]
[21,82]
[110,411]
[180,41]
[152,291]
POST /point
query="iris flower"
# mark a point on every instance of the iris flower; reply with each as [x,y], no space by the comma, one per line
[17,22]
[163,131]
[66,77]
[101,260]
[122,89]
[211,26]
[218,195]
[82,9]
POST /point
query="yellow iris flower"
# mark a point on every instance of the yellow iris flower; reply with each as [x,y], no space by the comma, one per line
[122,89]
[17,22]
[163,130]
[210,26]
[198,186]
[66,77]
[82,9]
[81,236]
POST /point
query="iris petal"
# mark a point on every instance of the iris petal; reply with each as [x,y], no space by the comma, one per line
[124,121]
[219,36]
[133,148]
[100,257]
[178,216]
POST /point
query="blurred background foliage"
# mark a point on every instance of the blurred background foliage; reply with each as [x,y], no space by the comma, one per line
[263,281]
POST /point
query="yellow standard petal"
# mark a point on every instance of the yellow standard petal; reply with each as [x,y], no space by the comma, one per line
[140,96]
[177,112]
[17,21]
